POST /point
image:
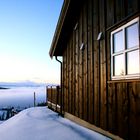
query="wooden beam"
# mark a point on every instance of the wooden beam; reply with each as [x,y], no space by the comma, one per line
[90,126]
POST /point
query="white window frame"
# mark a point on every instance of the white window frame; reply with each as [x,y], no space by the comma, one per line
[124,76]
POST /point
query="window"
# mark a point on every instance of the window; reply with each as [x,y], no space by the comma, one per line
[125,51]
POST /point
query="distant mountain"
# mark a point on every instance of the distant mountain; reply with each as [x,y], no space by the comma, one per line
[20,84]
[23,84]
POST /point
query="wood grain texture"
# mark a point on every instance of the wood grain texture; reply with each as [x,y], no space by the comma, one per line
[89,93]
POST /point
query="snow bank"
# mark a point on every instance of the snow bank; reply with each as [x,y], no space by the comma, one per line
[40,123]
[1,122]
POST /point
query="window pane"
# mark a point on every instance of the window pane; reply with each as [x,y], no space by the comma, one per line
[118,42]
[132,36]
[133,64]
[118,65]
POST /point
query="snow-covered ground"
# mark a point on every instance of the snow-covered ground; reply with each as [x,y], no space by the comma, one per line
[1,122]
[40,123]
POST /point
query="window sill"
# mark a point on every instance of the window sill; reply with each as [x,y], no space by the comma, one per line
[123,80]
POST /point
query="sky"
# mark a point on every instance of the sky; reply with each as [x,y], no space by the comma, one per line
[26,32]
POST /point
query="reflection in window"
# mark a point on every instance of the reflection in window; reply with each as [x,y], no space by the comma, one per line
[118,42]
[118,65]
[133,62]
[125,51]
[132,38]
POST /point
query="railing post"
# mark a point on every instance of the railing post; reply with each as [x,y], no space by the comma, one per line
[34,100]
[51,97]
[46,95]
[61,100]
[57,96]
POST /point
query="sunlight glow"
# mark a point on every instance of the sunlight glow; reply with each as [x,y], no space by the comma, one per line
[26,32]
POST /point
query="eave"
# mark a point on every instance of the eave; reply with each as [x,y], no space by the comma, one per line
[59,27]
[66,22]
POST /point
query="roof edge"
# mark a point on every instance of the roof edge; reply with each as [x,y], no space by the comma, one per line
[59,27]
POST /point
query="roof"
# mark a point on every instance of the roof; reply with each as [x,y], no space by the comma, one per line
[66,22]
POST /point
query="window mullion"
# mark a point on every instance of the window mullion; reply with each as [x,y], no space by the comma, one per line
[112,63]
[132,49]
[124,53]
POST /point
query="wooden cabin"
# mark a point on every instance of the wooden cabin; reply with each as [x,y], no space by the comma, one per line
[99,42]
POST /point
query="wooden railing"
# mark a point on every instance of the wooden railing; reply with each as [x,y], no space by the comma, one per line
[54,97]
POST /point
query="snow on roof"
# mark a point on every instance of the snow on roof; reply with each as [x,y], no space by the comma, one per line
[40,123]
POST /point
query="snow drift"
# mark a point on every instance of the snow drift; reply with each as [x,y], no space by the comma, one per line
[40,123]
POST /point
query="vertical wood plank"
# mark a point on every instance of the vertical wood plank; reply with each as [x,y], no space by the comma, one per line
[77,70]
[64,81]
[125,109]
[110,13]
[120,111]
[118,10]
[69,79]
[80,70]
[90,64]
[96,63]
[61,88]
[134,114]
[85,72]
[132,110]
[137,93]
[67,83]
[132,6]
[108,76]
[102,67]
[122,107]
[110,94]
[74,73]
[71,74]
[115,109]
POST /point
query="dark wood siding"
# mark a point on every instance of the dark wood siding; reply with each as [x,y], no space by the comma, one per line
[88,90]
[76,71]
[90,60]
[80,69]
[124,109]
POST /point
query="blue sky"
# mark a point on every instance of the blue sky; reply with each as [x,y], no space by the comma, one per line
[26,32]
